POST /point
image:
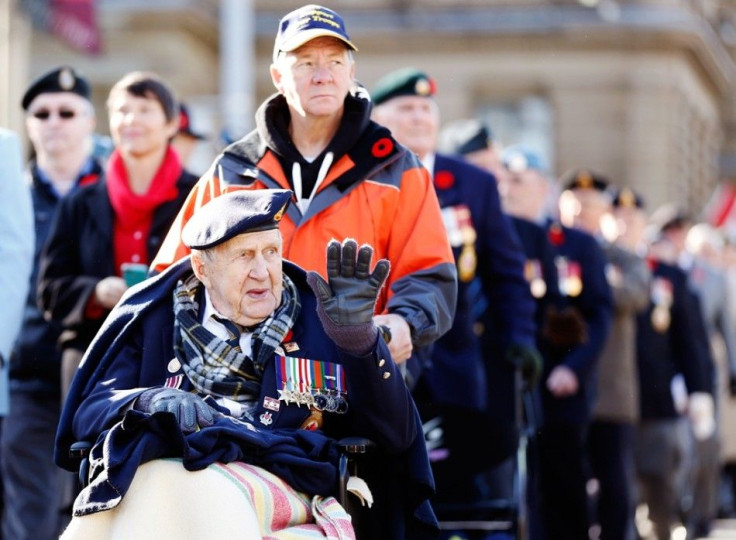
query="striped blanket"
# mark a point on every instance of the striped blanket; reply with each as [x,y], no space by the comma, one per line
[284,513]
[233,500]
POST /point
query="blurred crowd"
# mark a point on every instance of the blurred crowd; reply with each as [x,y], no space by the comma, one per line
[592,354]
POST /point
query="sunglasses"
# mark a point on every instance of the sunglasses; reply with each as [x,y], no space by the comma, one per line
[45,114]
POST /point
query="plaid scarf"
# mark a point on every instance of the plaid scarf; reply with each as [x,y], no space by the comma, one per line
[210,363]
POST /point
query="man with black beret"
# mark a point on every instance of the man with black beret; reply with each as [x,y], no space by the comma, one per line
[587,205]
[674,369]
[60,121]
[473,140]
[234,354]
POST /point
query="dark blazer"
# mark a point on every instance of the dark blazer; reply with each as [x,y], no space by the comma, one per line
[670,341]
[490,267]
[133,352]
[457,375]
[579,252]
[79,253]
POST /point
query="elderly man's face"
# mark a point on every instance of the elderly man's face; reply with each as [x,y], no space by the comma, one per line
[244,276]
[584,208]
[523,194]
[58,123]
[315,78]
[413,120]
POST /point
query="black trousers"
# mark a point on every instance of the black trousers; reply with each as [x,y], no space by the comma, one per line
[563,476]
[611,451]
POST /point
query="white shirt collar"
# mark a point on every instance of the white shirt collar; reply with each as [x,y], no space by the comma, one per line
[428,163]
[216,327]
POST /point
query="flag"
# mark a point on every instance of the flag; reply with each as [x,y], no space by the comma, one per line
[72,21]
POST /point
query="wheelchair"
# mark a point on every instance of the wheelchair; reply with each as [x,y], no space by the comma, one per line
[352,452]
[478,509]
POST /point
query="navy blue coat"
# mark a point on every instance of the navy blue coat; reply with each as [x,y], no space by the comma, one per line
[132,352]
[670,343]
[458,374]
[540,256]
[490,264]
[578,252]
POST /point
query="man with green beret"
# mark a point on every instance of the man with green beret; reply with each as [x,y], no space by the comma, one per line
[471,382]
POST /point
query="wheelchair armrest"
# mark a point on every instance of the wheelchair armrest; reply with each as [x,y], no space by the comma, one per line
[79,451]
[350,448]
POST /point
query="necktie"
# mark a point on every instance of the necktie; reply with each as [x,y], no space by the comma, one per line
[233,329]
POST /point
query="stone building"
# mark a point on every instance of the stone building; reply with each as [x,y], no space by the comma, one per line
[641,90]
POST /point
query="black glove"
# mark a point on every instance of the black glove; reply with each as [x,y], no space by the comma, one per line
[347,301]
[732,385]
[528,360]
[190,410]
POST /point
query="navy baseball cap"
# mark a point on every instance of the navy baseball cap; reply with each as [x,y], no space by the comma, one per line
[234,213]
[307,23]
[61,79]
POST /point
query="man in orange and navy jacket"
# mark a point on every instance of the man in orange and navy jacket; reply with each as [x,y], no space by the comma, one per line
[350,179]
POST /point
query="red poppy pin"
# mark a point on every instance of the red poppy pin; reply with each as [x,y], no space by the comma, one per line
[444,179]
[382,147]
[556,235]
[88,179]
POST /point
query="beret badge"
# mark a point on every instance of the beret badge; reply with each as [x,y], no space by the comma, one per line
[423,87]
[584,180]
[66,79]
[627,198]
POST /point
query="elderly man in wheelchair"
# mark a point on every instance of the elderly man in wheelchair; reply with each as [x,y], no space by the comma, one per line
[216,393]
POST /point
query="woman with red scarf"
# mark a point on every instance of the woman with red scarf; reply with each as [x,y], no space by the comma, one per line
[105,230]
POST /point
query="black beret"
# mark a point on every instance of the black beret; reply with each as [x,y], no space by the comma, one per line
[61,79]
[584,179]
[403,82]
[464,136]
[626,197]
[234,213]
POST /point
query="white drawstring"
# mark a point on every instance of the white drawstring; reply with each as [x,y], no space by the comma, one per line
[296,177]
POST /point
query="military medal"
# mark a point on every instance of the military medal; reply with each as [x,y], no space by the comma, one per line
[661,319]
[570,276]
[461,233]
[270,403]
[662,298]
[174,381]
[317,385]
[466,263]
[533,275]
